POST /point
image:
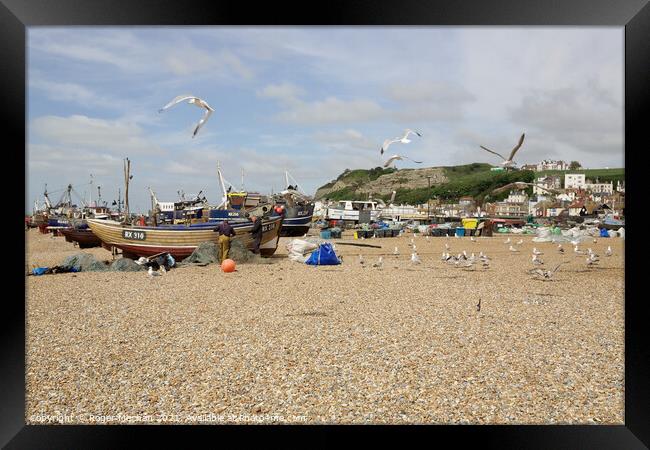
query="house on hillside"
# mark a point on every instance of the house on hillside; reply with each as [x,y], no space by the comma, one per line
[548,208]
[574,181]
[598,187]
[577,208]
[549,164]
[532,167]
[506,209]
[547,182]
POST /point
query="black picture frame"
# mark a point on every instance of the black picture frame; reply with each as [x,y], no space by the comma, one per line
[634,15]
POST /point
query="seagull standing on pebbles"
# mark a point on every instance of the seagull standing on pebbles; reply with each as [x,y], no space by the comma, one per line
[512,249]
[578,251]
[507,241]
[546,274]
[472,238]
[379,263]
[415,259]
[478,306]
[608,252]
[361,261]
[396,252]
[537,252]
[520,241]
[560,249]
[537,261]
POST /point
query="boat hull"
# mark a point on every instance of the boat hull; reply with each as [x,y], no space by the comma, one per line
[84,237]
[180,242]
[297,220]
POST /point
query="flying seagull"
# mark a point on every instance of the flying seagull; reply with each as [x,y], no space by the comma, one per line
[404,139]
[508,163]
[387,143]
[192,101]
[394,158]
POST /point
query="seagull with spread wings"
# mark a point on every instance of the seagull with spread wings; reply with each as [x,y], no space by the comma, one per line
[404,139]
[508,162]
[394,158]
[192,101]
[546,274]
[387,143]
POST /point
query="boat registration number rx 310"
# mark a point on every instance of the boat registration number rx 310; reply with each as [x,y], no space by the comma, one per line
[268,227]
[134,235]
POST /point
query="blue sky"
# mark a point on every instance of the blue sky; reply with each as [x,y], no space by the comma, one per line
[313,100]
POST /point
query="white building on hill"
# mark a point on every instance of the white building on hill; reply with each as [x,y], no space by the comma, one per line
[549,164]
[574,181]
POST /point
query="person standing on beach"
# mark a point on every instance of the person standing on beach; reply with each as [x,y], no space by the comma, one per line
[256,231]
[226,231]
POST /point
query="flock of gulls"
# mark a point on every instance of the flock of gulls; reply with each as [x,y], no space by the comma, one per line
[507,163]
[471,261]
[404,139]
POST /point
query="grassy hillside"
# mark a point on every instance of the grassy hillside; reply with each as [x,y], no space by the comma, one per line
[475,180]
[477,184]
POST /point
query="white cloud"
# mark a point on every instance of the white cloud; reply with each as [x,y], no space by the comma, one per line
[345,140]
[331,110]
[82,132]
[286,93]
[75,93]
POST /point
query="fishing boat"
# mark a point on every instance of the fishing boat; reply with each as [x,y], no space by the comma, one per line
[179,240]
[298,209]
[612,222]
[354,211]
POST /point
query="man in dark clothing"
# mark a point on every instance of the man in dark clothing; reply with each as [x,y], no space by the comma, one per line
[226,231]
[256,231]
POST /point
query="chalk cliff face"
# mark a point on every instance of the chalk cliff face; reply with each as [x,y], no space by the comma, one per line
[359,184]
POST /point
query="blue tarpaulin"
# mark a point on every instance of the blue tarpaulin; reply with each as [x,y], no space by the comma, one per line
[323,256]
[604,233]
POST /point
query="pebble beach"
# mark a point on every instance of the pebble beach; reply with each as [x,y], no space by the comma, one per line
[285,342]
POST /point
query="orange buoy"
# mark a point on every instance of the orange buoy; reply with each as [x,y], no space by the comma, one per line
[228,265]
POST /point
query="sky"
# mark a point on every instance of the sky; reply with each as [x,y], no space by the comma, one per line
[311,100]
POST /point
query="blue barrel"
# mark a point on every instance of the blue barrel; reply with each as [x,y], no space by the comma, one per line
[460,231]
[326,234]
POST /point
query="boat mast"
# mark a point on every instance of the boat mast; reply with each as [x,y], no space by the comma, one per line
[224,200]
[127,177]
[242,179]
